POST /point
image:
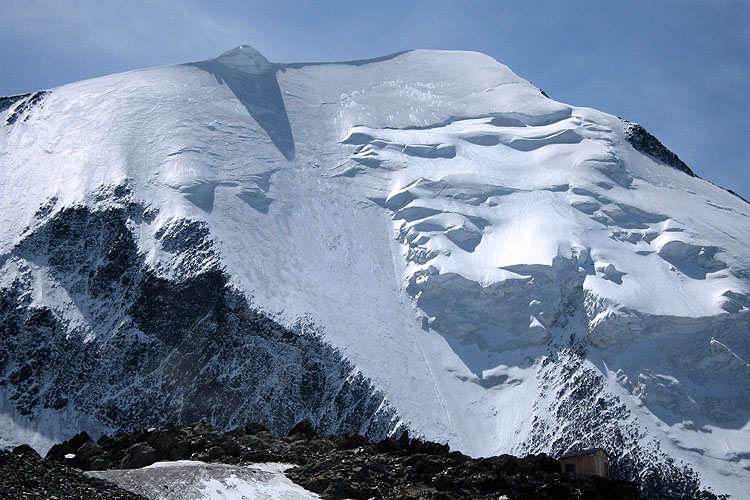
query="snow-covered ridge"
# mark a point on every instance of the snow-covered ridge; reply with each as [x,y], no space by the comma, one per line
[448,227]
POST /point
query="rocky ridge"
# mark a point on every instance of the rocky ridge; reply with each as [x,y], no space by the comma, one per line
[646,143]
[346,465]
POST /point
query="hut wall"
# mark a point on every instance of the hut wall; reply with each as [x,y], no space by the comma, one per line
[594,464]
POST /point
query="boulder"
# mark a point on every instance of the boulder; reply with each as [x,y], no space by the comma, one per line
[163,441]
[139,455]
[305,428]
[26,451]
[100,463]
[86,453]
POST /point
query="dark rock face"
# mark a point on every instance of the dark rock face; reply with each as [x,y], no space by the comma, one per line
[148,346]
[8,101]
[24,103]
[28,477]
[349,466]
[646,143]
[591,417]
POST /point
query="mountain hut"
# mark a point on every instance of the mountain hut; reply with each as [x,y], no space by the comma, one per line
[593,462]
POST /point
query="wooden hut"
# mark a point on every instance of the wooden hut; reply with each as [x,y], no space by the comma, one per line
[586,463]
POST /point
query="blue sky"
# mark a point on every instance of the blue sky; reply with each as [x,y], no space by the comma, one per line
[680,68]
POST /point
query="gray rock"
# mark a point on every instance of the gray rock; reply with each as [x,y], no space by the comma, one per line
[163,441]
[181,451]
[139,455]
[100,464]
[26,451]
[216,452]
[88,451]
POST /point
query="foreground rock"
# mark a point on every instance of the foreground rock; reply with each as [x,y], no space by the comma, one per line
[346,466]
[24,475]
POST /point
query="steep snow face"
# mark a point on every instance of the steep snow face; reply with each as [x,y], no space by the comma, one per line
[469,244]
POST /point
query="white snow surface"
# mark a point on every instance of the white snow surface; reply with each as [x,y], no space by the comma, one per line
[192,480]
[442,220]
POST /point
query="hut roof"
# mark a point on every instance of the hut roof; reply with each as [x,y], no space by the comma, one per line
[584,452]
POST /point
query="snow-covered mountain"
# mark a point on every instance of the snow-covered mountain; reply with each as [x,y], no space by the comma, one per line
[422,240]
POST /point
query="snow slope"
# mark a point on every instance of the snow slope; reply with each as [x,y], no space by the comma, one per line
[471,246]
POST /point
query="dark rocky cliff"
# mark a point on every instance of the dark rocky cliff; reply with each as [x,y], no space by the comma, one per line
[148,345]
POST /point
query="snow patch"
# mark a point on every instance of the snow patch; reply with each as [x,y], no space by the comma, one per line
[191,480]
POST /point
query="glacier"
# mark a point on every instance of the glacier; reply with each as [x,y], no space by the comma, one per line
[423,240]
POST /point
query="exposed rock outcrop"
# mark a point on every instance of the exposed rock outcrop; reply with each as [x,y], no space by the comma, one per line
[132,344]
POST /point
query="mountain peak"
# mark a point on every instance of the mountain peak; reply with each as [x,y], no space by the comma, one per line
[246,59]
[502,272]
